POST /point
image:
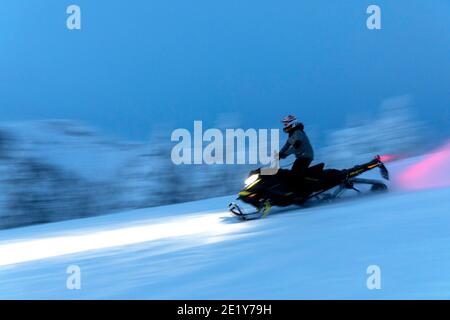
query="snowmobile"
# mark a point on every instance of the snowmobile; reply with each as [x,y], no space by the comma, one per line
[284,188]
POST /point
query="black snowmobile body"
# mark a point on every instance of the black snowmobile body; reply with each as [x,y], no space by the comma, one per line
[284,188]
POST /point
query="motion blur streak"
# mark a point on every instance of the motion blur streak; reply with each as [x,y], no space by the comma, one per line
[204,226]
[432,172]
[388,157]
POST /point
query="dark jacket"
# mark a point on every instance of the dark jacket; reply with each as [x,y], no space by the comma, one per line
[297,143]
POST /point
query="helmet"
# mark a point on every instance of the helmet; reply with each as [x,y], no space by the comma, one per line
[289,122]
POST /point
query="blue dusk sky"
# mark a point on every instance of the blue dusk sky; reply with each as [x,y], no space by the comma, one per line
[135,64]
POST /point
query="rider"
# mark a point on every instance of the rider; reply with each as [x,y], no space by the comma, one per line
[297,143]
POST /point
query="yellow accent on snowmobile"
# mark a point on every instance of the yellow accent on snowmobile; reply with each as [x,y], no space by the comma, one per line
[266,208]
[356,172]
[244,193]
[353,173]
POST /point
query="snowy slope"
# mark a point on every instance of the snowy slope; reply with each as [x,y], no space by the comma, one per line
[196,250]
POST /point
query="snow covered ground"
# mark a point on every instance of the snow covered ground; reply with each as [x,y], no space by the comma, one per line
[197,250]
